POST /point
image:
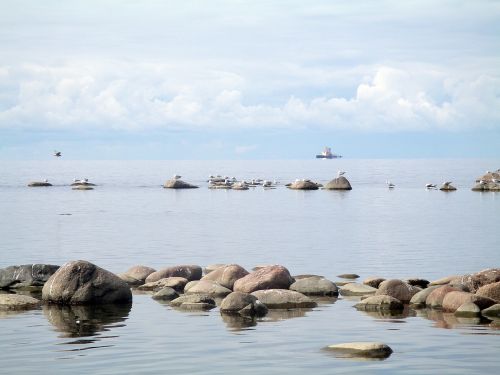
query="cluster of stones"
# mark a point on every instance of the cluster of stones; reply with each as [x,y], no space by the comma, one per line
[471,295]
[488,182]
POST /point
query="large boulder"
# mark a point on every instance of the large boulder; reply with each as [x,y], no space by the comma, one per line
[209,287]
[355,289]
[244,304]
[136,275]
[339,183]
[283,299]
[476,280]
[303,185]
[178,184]
[453,300]
[189,272]
[376,350]
[491,291]
[177,283]
[315,286]
[270,277]
[435,298]
[18,302]
[380,303]
[226,275]
[397,289]
[81,282]
[26,275]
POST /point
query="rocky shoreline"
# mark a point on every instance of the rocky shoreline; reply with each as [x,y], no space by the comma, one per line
[241,294]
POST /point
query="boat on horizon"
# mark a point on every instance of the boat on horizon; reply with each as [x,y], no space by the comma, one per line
[327,154]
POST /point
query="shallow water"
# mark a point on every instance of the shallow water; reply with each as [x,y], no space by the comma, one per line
[129,219]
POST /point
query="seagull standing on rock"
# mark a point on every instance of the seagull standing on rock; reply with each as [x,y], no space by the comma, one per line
[340,173]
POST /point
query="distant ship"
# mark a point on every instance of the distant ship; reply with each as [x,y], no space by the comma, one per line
[327,154]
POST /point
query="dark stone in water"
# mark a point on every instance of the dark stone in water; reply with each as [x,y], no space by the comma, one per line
[26,275]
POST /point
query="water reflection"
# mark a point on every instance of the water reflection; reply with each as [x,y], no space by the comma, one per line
[392,316]
[82,321]
[237,322]
[449,320]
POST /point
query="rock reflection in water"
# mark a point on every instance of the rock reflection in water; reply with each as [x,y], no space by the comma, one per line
[449,320]
[394,316]
[237,322]
[82,321]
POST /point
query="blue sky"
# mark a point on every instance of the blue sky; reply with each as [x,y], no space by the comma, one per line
[249,79]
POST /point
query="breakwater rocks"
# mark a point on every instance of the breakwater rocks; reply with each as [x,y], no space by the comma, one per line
[243,296]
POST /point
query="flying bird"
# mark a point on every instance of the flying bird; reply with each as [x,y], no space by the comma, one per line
[57,154]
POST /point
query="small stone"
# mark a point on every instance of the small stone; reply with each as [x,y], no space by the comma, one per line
[418,300]
[380,303]
[209,287]
[468,310]
[362,349]
[283,299]
[189,300]
[189,272]
[176,283]
[18,302]
[314,286]
[178,184]
[397,289]
[350,276]
[355,289]
[166,294]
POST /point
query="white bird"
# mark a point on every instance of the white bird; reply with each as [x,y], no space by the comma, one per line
[390,185]
[447,183]
[431,186]
[176,177]
[340,173]
[45,180]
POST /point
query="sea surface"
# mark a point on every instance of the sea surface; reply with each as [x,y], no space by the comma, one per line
[129,219]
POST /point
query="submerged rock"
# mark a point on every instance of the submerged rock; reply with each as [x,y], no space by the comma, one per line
[39,184]
[362,349]
[178,184]
[303,185]
[339,183]
[447,186]
[166,294]
[355,289]
[136,275]
[468,310]
[81,282]
[492,311]
[194,302]
[380,303]
[18,302]
[283,299]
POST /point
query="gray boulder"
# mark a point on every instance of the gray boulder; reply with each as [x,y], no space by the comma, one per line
[81,282]
[166,294]
[178,184]
[189,272]
[397,289]
[226,275]
[18,302]
[26,276]
[270,277]
[340,183]
[283,299]
[244,304]
[380,303]
[315,286]
[209,287]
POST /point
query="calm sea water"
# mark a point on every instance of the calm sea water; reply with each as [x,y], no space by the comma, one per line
[129,219]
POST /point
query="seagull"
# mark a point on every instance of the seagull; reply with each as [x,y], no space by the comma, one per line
[390,185]
[57,154]
[340,173]
[430,186]
[447,183]
[176,177]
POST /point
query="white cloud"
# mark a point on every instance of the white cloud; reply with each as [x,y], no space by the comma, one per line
[144,96]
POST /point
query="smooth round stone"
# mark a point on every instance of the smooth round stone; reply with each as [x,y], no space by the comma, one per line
[374,281]
[314,286]
[177,283]
[283,299]
[193,302]
[166,294]
[398,289]
[178,184]
[213,267]
[339,183]
[380,303]
[362,349]
[492,311]
[350,276]
[209,287]
[418,300]
[355,289]
[18,302]
[468,310]
[444,280]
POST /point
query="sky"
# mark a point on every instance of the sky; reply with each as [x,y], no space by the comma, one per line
[234,79]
